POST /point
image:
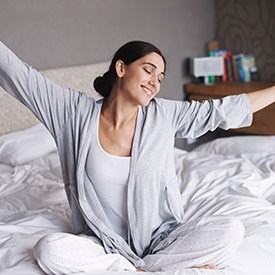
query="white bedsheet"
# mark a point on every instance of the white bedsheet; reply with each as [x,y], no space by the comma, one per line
[33,203]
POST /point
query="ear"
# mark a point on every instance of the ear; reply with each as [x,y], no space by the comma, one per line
[120,68]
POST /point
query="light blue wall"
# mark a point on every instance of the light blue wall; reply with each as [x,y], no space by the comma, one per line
[57,33]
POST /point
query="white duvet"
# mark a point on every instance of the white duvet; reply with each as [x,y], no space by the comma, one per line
[33,203]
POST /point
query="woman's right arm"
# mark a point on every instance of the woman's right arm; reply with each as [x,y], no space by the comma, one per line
[52,104]
[193,119]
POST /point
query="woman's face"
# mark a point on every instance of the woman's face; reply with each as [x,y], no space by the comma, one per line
[140,81]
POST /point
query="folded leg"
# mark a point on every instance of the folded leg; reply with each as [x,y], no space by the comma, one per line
[209,240]
[63,253]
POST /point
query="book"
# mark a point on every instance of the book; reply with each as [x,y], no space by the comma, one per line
[229,67]
[245,63]
[235,68]
[223,53]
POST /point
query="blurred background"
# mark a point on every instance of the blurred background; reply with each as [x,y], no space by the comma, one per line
[58,33]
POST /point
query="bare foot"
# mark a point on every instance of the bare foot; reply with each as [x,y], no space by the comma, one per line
[139,270]
[208,266]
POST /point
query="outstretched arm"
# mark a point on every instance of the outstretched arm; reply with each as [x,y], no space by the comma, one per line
[262,98]
[193,119]
[51,103]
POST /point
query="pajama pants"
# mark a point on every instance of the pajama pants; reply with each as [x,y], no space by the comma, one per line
[208,240]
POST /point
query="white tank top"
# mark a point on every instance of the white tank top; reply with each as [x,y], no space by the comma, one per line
[109,175]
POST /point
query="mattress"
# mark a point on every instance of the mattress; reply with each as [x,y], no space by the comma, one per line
[232,176]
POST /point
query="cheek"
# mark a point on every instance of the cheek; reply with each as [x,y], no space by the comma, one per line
[132,78]
[134,81]
[158,88]
[130,85]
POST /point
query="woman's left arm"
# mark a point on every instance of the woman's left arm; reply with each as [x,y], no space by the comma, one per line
[262,98]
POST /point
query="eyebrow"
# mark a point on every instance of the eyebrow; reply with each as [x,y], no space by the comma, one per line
[153,65]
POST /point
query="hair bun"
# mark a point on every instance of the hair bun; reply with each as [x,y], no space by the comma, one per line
[102,84]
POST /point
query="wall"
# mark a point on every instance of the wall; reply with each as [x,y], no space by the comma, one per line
[248,26]
[50,33]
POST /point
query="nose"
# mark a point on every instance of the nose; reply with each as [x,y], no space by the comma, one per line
[153,80]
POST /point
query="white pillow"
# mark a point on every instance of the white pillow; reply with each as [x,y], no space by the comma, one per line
[20,147]
[238,145]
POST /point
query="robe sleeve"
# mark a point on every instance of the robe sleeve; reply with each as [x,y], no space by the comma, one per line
[193,119]
[51,103]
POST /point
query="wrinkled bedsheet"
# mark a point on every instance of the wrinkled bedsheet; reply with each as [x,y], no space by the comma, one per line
[33,204]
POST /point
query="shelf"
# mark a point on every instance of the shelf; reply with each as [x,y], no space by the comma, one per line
[226,88]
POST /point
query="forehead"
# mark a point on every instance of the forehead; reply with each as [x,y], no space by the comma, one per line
[154,59]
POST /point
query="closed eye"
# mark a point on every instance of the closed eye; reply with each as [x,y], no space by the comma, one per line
[161,78]
[147,71]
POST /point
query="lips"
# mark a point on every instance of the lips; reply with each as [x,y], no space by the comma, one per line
[148,91]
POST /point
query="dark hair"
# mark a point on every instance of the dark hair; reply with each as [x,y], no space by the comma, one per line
[128,53]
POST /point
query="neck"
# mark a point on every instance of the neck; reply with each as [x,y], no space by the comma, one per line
[118,112]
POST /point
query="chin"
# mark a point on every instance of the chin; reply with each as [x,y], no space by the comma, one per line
[145,103]
[143,100]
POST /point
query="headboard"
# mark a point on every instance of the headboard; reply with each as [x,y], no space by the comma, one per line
[15,116]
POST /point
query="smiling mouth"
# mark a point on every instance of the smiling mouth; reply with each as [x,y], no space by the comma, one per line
[147,91]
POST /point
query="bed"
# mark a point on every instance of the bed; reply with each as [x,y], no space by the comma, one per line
[227,176]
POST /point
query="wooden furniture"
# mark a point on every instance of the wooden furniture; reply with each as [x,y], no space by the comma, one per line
[263,121]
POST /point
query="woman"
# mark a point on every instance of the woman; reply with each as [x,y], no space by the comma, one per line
[118,166]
